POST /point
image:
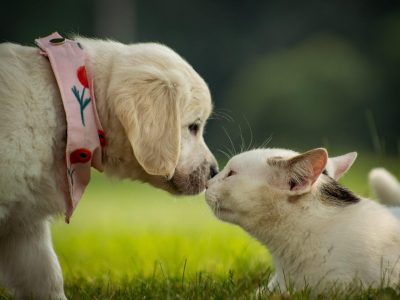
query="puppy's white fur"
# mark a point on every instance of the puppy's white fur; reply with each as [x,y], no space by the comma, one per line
[147,96]
[317,237]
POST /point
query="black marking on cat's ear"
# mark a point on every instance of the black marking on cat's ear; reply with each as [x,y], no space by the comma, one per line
[333,193]
[292,183]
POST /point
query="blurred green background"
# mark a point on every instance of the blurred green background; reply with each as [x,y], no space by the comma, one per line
[295,74]
[306,73]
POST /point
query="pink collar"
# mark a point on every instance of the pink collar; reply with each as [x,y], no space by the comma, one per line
[85,136]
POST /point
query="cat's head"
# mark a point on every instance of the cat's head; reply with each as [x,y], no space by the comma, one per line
[263,183]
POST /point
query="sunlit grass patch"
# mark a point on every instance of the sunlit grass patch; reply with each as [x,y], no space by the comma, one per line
[128,229]
[128,241]
[124,231]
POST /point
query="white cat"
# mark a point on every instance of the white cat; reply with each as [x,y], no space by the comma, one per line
[319,234]
[386,188]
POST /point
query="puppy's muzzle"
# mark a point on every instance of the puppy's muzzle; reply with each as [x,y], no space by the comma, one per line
[213,171]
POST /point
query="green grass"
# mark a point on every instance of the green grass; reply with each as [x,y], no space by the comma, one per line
[130,241]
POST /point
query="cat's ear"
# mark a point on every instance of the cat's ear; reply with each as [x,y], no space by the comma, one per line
[304,169]
[339,165]
[298,174]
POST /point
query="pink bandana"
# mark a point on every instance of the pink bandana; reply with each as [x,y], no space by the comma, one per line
[85,136]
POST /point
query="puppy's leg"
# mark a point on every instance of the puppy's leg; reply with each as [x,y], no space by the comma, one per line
[29,264]
[272,286]
[273,283]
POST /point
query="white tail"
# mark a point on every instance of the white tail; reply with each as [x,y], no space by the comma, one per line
[385,186]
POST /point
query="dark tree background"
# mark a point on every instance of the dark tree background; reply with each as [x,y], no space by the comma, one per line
[306,73]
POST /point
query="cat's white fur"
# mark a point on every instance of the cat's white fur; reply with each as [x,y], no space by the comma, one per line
[385,186]
[277,196]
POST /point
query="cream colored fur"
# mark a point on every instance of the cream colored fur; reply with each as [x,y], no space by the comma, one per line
[147,97]
[385,186]
[315,240]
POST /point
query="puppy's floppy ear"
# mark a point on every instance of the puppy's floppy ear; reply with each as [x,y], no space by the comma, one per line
[299,173]
[149,111]
[339,165]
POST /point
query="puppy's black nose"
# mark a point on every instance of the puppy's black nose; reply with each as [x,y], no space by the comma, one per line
[213,171]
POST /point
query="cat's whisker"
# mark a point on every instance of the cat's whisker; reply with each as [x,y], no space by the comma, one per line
[216,116]
[266,142]
[225,154]
[251,134]
[222,115]
[226,113]
[242,144]
[229,151]
[230,140]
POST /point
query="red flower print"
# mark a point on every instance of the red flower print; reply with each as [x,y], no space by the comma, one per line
[81,73]
[80,156]
[102,137]
[80,97]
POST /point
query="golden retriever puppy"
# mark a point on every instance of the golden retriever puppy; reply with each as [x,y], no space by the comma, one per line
[153,107]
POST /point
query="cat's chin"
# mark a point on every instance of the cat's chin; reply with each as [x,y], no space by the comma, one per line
[224,214]
[225,210]
[221,212]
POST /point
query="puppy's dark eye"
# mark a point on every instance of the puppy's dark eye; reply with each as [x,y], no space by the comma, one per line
[231,173]
[194,128]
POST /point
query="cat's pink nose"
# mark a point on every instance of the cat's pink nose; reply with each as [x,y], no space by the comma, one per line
[208,183]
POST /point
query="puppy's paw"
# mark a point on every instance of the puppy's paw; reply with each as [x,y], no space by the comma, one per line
[18,295]
[262,292]
[58,296]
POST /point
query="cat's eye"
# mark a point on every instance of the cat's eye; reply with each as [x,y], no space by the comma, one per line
[231,173]
[194,128]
